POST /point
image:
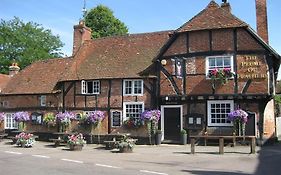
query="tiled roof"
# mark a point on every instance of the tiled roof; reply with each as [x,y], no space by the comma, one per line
[212,17]
[38,78]
[3,81]
[116,57]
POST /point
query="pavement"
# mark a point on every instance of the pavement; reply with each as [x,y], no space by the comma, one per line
[165,159]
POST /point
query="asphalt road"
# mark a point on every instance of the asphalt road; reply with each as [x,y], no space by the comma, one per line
[43,159]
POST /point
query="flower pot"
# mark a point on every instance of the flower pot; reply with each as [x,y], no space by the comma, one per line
[158,137]
[183,139]
[125,149]
[75,147]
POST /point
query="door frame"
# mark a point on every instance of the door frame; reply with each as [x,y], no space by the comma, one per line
[162,117]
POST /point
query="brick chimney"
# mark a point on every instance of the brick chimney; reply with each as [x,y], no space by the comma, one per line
[261,15]
[81,34]
[13,69]
[226,6]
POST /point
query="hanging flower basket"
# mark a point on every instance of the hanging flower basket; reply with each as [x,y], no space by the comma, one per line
[21,118]
[151,118]
[220,75]
[64,119]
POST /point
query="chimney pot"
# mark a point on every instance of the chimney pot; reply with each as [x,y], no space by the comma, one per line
[226,6]
[13,69]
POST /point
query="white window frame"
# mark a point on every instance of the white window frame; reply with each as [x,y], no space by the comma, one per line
[96,87]
[210,102]
[43,100]
[121,118]
[9,121]
[132,88]
[222,56]
[131,103]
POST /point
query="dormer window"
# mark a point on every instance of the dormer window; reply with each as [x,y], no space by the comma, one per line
[90,87]
[218,63]
[133,87]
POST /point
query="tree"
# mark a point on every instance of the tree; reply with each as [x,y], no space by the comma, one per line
[103,23]
[25,43]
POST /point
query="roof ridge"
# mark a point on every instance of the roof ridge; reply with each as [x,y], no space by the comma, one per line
[194,24]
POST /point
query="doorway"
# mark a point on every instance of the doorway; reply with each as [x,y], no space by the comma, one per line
[171,122]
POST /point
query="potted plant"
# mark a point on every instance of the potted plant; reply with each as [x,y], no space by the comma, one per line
[183,137]
[76,142]
[25,140]
[158,137]
[151,118]
[221,75]
[126,145]
[239,119]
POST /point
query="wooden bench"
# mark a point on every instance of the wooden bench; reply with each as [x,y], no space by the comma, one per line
[221,141]
[2,135]
[58,141]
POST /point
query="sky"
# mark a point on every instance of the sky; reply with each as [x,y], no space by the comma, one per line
[140,16]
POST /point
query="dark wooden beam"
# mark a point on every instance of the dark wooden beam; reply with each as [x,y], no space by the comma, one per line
[74,95]
[184,76]
[214,53]
[187,42]
[108,105]
[245,88]
[63,97]
[69,87]
[169,76]
[147,88]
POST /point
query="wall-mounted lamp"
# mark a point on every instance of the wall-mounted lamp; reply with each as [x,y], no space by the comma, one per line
[166,98]
[163,62]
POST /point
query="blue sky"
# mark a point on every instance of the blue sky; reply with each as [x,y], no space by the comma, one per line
[139,15]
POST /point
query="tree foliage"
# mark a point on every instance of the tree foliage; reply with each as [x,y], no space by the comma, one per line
[26,43]
[103,23]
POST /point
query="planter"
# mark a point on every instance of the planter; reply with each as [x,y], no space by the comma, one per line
[158,137]
[183,139]
[75,147]
[126,149]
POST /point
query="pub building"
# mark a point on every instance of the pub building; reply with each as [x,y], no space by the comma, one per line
[173,71]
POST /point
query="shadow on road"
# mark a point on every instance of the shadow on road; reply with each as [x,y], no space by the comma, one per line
[213,172]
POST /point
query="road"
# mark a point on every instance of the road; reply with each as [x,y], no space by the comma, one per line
[43,159]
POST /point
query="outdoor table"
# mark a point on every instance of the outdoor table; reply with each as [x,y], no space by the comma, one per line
[221,141]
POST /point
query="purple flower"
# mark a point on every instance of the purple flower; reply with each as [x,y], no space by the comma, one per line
[65,117]
[151,115]
[2,116]
[239,115]
[94,117]
[21,116]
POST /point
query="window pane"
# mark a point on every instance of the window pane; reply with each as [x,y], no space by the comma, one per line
[212,62]
[137,87]
[219,62]
[227,62]
[90,87]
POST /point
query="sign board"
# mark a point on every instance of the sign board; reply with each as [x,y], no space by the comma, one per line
[116,118]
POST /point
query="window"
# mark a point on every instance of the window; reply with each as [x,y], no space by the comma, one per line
[116,118]
[4,104]
[36,118]
[10,123]
[218,111]
[218,62]
[133,87]
[42,99]
[90,87]
[133,110]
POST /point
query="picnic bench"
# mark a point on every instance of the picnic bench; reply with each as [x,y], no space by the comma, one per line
[60,138]
[2,135]
[111,140]
[221,141]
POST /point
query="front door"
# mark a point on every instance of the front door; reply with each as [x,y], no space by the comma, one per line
[250,129]
[172,122]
